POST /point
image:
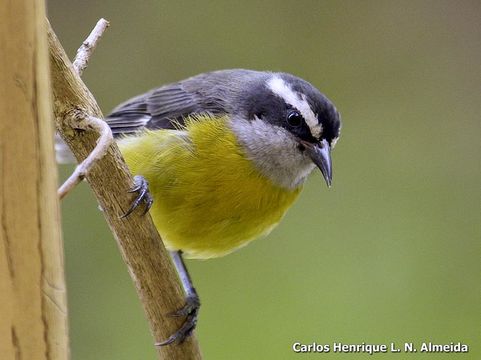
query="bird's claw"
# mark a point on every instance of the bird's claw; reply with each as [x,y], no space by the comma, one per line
[141,187]
[190,310]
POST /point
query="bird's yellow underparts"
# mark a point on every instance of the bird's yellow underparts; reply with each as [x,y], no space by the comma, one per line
[210,198]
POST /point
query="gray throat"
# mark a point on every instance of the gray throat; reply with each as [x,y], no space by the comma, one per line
[274,152]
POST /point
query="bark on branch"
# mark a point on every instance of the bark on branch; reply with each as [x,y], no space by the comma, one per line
[142,249]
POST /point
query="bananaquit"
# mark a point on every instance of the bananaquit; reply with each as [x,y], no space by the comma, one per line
[225,154]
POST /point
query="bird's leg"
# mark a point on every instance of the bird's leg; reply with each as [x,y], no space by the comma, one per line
[141,187]
[192,303]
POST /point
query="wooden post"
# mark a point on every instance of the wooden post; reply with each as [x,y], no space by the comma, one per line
[33,311]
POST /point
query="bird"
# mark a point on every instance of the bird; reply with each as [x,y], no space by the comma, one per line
[220,157]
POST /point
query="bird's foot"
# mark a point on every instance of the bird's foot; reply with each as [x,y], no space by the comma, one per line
[190,310]
[141,187]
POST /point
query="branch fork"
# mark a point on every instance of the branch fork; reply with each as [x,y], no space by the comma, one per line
[85,121]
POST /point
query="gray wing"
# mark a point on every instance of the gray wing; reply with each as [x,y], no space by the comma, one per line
[215,92]
[156,109]
[162,108]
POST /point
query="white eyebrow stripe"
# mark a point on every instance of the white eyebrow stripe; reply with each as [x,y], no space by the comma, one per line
[281,89]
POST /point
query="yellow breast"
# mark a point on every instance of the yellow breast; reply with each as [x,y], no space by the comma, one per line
[209,199]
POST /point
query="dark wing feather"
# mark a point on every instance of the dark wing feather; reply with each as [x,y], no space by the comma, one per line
[171,104]
[157,109]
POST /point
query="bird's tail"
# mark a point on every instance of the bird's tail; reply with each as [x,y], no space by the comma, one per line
[62,152]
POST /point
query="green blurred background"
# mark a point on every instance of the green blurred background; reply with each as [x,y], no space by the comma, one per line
[390,254]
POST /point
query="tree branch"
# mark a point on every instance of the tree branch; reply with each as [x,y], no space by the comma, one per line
[142,249]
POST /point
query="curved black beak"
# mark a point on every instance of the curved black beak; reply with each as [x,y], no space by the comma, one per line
[320,154]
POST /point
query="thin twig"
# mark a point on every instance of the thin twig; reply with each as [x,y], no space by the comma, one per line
[88,46]
[100,150]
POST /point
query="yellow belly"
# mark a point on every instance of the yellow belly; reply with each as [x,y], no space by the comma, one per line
[209,199]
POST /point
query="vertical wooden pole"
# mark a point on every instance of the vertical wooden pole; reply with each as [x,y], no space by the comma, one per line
[33,311]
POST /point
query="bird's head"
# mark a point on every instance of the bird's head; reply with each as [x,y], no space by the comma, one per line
[291,128]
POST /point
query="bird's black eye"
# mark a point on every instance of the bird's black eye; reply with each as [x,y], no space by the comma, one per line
[294,118]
